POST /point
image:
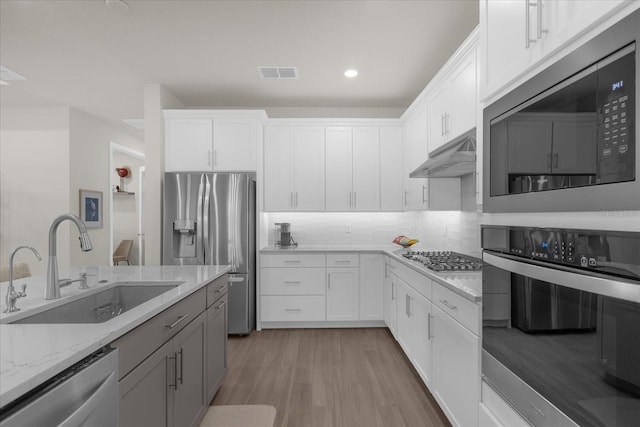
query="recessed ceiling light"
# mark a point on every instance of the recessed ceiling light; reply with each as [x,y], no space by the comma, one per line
[351,73]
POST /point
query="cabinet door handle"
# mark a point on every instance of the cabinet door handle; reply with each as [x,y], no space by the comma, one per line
[442,124]
[424,187]
[329,281]
[408,305]
[555,160]
[406,197]
[540,30]
[393,291]
[292,261]
[175,371]
[292,283]
[342,261]
[174,324]
[181,365]
[448,305]
[429,336]
[292,310]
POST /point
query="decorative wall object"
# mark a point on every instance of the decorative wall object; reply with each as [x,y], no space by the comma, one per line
[91,208]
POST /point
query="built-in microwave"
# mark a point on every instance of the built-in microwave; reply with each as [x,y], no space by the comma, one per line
[565,139]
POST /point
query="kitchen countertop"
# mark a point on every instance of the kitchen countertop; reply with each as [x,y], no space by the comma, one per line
[30,354]
[465,284]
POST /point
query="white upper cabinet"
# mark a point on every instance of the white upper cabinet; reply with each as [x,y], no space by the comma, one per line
[452,108]
[517,34]
[352,169]
[366,169]
[338,174]
[391,194]
[188,145]
[235,144]
[212,140]
[415,151]
[293,168]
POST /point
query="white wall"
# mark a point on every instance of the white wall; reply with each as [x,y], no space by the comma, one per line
[34,182]
[90,139]
[47,154]
[156,98]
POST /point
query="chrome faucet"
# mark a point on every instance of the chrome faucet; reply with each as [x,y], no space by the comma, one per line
[52,291]
[12,295]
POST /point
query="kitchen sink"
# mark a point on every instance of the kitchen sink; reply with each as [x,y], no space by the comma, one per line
[104,305]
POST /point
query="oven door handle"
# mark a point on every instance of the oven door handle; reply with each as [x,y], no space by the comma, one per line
[565,276]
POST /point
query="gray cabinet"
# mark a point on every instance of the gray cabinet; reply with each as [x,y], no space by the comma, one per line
[167,389]
[187,396]
[144,392]
[171,366]
[216,352]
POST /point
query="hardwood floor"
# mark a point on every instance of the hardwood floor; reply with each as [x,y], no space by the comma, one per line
[328,378]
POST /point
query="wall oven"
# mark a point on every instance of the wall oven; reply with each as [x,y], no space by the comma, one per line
[561,324]
[565,139]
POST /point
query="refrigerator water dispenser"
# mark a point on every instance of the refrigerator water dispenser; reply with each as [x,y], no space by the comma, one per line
[184,238]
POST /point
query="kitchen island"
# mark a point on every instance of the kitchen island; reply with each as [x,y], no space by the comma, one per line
[30,354]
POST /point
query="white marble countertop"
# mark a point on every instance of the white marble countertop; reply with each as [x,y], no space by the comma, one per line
[30,354]
[465,284]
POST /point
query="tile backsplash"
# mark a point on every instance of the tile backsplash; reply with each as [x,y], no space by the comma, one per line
[330,228]
[451,230]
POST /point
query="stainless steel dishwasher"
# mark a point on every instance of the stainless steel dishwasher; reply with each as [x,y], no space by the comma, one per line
[85,394]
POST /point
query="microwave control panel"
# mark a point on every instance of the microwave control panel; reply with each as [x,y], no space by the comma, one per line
[616,120]
[610,252]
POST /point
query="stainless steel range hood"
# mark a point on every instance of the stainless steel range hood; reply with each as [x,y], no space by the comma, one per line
[454,159]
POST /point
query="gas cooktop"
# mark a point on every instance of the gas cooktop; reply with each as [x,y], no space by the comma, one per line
[444,261]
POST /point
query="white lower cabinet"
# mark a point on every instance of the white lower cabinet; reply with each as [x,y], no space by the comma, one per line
[329,288]
[343,293]
[438,330]
[390,298]
[456,369]
[289,308]
[371,284]
[414,334]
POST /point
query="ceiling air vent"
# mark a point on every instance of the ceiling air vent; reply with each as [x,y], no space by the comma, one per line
[278,72]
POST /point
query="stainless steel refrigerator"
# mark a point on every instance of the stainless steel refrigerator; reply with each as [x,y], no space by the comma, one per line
[209,219]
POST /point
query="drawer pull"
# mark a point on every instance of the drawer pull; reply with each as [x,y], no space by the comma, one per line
[218,307]
[292,283]
[174,324]
[342,261]
[219,289]
[448,304]
[292,261]
[292,310]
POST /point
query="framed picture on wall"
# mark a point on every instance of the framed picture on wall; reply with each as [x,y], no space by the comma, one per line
[91,208]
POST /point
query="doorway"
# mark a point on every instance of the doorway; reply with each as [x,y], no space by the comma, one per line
[126,200]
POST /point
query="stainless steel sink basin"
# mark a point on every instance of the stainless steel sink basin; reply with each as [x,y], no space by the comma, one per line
[104,305]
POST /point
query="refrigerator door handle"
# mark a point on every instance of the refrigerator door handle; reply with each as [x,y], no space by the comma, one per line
[199,227]
[205,215]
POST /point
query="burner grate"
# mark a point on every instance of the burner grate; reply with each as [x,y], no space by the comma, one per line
[444,261]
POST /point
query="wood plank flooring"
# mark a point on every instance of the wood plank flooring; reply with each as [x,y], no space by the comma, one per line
[328,378]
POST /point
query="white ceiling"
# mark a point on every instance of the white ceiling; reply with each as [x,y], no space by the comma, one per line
[96,58]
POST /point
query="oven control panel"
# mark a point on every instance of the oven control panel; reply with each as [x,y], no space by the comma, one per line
[612,252]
